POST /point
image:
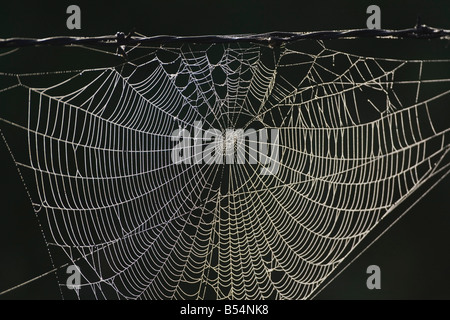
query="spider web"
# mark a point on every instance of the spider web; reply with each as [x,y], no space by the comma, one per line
[357,136]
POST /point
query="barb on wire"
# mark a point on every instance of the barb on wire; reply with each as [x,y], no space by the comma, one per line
[420,31]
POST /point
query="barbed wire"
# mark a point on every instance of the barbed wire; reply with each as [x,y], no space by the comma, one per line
[420,31]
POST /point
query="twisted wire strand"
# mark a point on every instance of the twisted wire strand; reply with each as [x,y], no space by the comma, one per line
[272,39]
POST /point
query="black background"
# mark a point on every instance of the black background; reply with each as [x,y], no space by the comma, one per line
[413,255]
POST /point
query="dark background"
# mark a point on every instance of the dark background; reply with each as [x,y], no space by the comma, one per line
[413,255]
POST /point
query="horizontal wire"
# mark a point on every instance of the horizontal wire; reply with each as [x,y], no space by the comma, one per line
[272,39]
